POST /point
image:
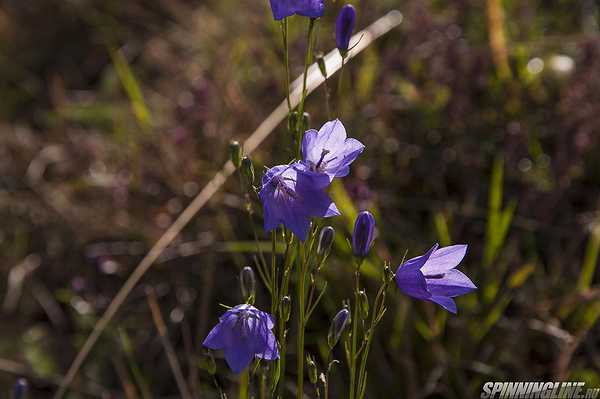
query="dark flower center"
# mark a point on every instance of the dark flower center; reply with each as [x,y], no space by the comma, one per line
[434,276]
[322,164]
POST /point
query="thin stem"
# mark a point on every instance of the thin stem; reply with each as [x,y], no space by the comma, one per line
[307,62]
[301,324]
[274,286]
[355,315]
[340,84]
[244,382]
[284,34]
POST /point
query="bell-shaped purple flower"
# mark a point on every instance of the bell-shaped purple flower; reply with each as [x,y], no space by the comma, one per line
[329,151]
[344,26]
[433,276]
[244,333]
[364,232]
[306,8]
[291,197]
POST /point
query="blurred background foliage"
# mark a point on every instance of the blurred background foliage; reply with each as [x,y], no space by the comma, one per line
[481,125]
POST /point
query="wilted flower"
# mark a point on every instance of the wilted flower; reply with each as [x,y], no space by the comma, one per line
[243,333]
[344,25]
[307,8]
[433,276]
[362,237]
[291,198]
[329,151]
[337,327]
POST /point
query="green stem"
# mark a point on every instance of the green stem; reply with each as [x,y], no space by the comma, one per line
[355,315]
[274,286]
[307,62]
[284,34]
[301,324]
[244,382]
[340,85]
[282,323]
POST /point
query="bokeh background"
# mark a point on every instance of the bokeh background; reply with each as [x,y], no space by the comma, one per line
[481,125]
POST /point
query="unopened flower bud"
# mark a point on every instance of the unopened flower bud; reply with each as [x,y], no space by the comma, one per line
[247,282]
[326,238]
[364,303]
[305,121]
[235,153]
[293,121]
[321,64]
[337,327]
[344,25]
[286,308]
[362,237]
[20,389]
[248,170]
[313,373]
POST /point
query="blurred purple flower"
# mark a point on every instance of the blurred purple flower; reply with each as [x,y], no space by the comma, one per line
[307,8]
[344,25]
[433,276]
[329,151]
[362,237]
[243,333]
[291,198]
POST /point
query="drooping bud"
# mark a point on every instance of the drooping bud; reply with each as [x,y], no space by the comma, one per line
[247,283]
[337,327]
[364,303]
[248,170]
[235,153]
[344,26]
[286,308]
[313,372]
[321,64]
[20,389]
[326,238]
[362,237]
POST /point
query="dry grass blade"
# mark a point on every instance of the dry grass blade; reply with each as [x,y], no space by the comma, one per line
[333,61]
[162,333]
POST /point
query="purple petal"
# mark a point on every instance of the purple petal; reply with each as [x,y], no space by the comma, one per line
[309,151]
[412,282]
[417,263]
[282,8]
[444,259]
[310,8]
[445,302]
[239,355]
[269,350]
[216,338]
[453,283]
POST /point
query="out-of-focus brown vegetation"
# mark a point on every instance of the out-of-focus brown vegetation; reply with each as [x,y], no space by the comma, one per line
[114,115]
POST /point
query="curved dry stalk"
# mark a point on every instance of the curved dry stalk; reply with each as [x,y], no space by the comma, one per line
[333,62]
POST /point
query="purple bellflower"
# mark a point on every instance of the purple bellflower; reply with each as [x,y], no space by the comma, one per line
[433,277]
[291,197]
[344,25]
[244,333]
[329,151]
[306,8]
[362,237]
